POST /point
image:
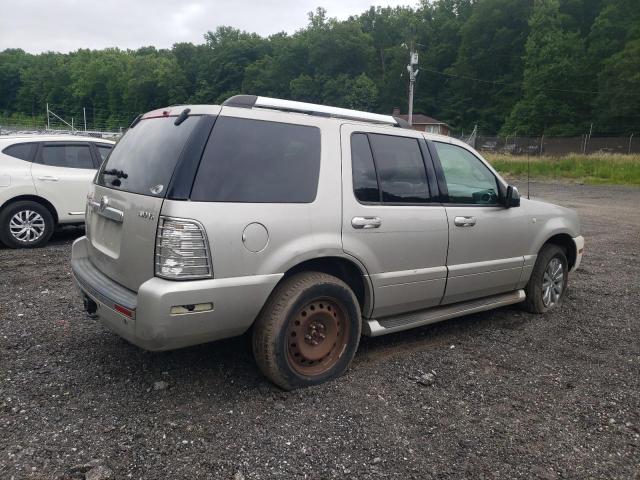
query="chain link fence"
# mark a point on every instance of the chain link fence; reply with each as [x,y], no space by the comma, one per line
[556,146]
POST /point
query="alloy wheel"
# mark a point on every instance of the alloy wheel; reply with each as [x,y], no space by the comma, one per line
[552,283]
[27,226]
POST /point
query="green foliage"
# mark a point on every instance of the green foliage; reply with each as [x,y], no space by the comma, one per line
[532,67]
[491,48]
[554,63]
[620,79]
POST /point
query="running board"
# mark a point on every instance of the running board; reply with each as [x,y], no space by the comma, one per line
[375,327]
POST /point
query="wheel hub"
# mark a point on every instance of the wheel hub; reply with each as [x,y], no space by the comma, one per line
[317,335]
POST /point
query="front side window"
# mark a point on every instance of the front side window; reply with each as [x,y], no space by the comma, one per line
[22,151]
[400,169]
[469,181]
[257,161]
[69,156]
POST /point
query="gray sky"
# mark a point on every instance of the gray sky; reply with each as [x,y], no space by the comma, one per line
[65,25]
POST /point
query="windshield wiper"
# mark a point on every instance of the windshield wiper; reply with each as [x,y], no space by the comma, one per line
[116,173]
[182,117]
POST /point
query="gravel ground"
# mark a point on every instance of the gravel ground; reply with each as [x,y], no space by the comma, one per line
[501,394]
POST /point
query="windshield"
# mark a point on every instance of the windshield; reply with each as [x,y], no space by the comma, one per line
[144,159]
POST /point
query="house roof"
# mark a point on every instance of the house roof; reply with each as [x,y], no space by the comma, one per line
[420,119]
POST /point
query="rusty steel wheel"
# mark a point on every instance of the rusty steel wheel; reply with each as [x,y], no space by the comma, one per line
[308,331]
[317,335]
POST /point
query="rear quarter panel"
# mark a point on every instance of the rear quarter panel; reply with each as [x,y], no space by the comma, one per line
[296,231]
[15,178]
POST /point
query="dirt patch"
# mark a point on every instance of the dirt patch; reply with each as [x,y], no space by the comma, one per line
[502,394]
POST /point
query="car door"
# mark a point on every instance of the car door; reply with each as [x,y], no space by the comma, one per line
[486,240]
[391,220]
[62,173]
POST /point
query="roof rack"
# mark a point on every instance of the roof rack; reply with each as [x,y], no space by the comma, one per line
[254,101]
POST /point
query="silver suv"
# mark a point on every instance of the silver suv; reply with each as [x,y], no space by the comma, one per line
[310,225]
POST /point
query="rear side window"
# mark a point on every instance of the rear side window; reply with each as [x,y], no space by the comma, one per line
[23,151]
[259,162]
[103,151]
[69,156]
[144,159]
[400,169]
[365,182]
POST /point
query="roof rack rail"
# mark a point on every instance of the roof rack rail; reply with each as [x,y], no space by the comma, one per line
[254,101]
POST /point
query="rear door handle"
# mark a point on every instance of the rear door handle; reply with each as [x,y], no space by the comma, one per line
[365,222]
[48,178]
[464,221]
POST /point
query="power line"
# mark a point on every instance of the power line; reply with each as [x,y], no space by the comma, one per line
[517,85]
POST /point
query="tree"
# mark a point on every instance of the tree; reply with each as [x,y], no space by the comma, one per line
[486,76]
[550,66]
[618,102]
[552,102]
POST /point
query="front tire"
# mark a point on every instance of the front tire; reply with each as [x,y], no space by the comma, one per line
[308,331]
[25,224]
[548,283]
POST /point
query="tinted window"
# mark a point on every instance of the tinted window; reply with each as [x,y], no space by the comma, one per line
[468,179]
[400,169]
[258,161]
[103,151]
[70,156]
[365,182]
[145,157]
[23,151]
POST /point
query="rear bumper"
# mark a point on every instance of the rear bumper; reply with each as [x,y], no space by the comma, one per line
[579,242]
[236,303]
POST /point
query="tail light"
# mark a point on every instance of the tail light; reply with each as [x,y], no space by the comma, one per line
[182,250]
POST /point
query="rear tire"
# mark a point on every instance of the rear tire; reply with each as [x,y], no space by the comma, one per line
[25,224]
[308,331]
[548,283]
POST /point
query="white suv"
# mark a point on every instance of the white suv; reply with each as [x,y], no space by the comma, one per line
[44,182]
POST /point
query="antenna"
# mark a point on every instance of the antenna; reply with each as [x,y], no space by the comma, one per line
[528,171]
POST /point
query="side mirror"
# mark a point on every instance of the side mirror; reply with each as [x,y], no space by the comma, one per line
[512,198]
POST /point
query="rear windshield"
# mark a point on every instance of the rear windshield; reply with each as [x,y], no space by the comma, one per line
[144,159]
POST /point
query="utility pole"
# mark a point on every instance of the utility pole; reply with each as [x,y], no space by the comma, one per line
[48,117]
[84,114]
[413,61]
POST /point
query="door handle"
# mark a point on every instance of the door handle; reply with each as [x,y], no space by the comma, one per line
[464,221]
[365,222]
[48,178]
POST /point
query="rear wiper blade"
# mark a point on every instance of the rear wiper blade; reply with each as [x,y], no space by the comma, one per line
[116,173]
[182,117]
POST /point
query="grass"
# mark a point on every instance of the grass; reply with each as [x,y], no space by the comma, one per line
[592,169]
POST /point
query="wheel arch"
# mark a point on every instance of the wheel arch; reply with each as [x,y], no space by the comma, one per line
[349,270]
[33,198]
[564,241]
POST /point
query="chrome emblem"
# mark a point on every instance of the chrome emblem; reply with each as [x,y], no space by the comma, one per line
[146,215]
[157,189]
[104,203]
